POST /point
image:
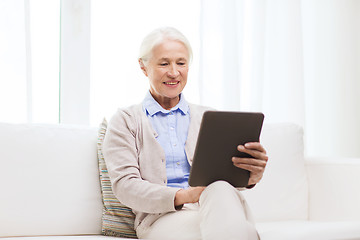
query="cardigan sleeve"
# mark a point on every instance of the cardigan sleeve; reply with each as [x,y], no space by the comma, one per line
[121,155]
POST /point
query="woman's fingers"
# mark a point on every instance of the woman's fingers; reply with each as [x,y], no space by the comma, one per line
[256,165]
[255,145]
[256,150]
[249,161]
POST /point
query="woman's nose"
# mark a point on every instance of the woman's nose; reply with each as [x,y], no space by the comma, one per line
[173,71]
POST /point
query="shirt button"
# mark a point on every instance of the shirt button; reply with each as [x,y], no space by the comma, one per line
[172,128]
[174,144]
[178,163]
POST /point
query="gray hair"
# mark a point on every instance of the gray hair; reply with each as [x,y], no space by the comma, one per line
[158,36]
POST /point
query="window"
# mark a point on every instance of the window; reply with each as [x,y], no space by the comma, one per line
[29,60]
[13,67]
[83,68]
[45,43]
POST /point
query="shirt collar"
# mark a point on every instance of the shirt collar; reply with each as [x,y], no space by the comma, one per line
[152,107]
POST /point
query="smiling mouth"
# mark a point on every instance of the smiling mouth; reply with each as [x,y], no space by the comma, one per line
[171,83]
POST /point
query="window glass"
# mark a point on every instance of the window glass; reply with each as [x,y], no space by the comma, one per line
[13,72]
[45,44]
[29,61]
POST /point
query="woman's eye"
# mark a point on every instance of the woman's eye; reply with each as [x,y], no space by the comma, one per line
[163,64]
[181,63]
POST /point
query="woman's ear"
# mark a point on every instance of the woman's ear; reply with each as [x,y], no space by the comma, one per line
[142,66]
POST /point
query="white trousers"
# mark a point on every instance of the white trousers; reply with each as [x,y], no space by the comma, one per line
[222,213]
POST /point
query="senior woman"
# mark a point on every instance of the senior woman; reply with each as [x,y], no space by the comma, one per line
[149,148]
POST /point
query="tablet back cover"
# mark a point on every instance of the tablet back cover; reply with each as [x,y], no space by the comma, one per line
[220,134]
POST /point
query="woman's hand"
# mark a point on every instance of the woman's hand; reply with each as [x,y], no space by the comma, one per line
[189,195]
[255,165]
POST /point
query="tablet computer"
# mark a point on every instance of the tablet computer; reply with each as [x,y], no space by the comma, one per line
[220,134]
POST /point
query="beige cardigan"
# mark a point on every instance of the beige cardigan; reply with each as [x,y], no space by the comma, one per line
[136,163]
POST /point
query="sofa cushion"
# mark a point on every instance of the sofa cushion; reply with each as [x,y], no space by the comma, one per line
[282,194]
[117,219]
[78,237]
[49,181]
[309,230]
[74,237]
[334,189]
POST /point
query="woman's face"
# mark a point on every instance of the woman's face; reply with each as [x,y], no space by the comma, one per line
[167,71]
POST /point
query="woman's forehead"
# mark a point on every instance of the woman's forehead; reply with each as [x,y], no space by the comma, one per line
[169,49]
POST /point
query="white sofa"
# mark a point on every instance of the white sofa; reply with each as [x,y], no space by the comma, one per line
[50,189]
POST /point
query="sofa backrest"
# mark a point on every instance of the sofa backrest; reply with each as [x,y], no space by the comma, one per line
[282,194]
[49,182]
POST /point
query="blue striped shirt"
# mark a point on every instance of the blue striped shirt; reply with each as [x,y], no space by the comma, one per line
[172,129]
